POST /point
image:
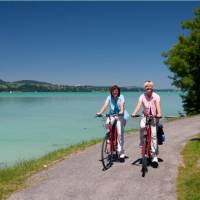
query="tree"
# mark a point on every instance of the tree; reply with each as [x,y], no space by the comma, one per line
[183,59]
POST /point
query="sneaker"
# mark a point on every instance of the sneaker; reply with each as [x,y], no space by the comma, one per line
[155,162]
[122,158]
[122,155]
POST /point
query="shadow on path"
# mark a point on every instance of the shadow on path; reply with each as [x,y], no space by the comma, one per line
[195,139]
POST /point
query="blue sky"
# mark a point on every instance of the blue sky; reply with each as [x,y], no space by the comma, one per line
[93,43]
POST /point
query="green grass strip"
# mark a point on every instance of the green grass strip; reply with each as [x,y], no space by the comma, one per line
[13,178]
[132,130]
[188,180]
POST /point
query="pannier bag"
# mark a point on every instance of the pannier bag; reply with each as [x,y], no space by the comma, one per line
[160,134]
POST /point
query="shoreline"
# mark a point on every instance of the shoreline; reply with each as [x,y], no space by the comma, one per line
[80,174]
[14,177]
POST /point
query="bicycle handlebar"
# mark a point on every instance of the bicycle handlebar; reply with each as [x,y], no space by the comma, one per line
[146,116]
[109,115]
[167,117]
[134,116]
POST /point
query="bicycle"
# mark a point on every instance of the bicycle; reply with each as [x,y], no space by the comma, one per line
[109,152]
[146,147]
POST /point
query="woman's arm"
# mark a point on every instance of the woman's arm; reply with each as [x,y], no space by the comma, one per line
[121,107]
[104,107]
[137,108]
[158,108]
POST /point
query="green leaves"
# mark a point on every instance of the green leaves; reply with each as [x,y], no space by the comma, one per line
[183,59]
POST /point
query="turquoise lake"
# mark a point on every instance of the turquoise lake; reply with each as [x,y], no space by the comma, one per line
[33,124]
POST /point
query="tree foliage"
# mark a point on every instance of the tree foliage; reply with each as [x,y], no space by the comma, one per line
[183,59]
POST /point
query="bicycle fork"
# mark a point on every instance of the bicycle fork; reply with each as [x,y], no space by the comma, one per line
[147,144]
[113,137]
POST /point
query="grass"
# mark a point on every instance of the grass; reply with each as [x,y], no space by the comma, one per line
[14,177]
[188,180]
[132,130]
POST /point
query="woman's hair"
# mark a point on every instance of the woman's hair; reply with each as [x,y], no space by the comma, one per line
[114,87]
[148,84]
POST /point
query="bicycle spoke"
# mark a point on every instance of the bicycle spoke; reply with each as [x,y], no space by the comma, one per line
[106,153]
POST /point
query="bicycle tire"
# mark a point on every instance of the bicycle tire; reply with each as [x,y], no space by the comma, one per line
[144,158]
[106,153]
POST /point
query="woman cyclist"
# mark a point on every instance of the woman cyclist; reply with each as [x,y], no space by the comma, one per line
[151,105]
[116,103]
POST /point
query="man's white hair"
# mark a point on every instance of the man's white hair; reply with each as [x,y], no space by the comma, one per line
[148,84]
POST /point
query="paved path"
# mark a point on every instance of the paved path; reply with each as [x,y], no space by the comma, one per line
[80,177]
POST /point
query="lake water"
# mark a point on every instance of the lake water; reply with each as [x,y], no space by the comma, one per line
[33,124]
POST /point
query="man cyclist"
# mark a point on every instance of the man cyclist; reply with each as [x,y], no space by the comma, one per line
[116,103]
[151,105]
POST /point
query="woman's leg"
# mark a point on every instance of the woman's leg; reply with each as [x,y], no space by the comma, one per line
[154,145]
[153,139]
[120,138]
[142,130]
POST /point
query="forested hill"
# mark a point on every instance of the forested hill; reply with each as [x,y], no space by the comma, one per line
[33,86]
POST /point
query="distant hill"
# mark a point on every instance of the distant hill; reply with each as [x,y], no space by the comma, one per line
[32,86]
[31,82]
[1,81]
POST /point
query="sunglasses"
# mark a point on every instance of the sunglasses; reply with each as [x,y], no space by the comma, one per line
[148,88]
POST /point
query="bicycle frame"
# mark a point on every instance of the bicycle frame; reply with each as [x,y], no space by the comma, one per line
[112,135]
[147,134]
[146,147]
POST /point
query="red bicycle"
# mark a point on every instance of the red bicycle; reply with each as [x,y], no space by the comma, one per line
[146,148]
[109,152]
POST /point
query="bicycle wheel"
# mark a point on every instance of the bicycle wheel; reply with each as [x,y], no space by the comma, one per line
[144,157]
[106,153]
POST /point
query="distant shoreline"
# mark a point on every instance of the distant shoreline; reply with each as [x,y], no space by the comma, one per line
[37,86]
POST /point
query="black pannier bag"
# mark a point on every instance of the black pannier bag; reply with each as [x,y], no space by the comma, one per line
[160,134]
